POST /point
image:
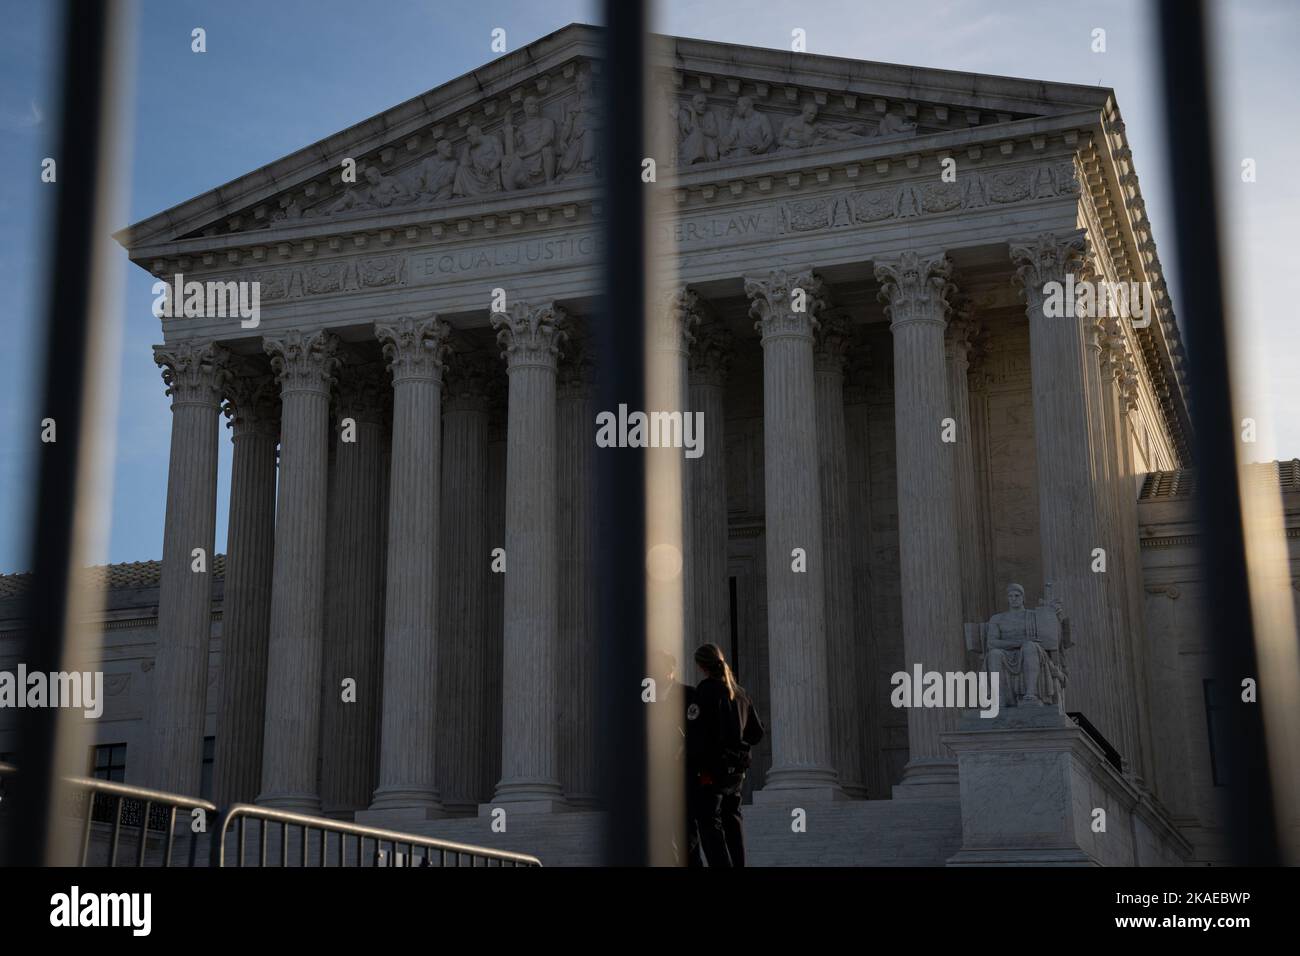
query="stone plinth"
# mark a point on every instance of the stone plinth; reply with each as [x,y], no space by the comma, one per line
[1031,782]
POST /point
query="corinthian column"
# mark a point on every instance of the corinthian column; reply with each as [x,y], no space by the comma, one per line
[785,306]
[1069,526]
[576,414]
[408,788]
[355,595]
[846,690]
[194,374]
[961,332]
[304,365]
[915,289]
[530,337]
[706,483]
[253,407]
[463,645]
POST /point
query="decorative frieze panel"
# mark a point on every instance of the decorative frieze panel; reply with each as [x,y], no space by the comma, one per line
[973,190]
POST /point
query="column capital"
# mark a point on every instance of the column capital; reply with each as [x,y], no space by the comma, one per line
[915,287]
[681,311]
[466,377]
[363,392]
[251,402]
[194,372]
[1046,257]
[831,343]
[786,304]
[963,329]
[303,361]
[414,346]
[576,368]
[710,355]
[531,335]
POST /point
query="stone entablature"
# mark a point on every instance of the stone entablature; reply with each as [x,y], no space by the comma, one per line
[877,132]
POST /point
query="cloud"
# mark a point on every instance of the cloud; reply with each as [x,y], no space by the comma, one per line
[15,120]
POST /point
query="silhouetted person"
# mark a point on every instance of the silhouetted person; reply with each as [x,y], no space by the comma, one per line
[680,696]
[722,725]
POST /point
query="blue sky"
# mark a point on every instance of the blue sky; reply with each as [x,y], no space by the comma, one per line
[279,75]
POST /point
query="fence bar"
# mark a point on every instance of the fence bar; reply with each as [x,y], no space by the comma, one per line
[1202,305]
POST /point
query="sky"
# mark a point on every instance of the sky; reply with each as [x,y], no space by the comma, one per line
[277,76]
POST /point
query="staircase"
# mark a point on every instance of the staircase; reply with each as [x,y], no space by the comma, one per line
[845,833]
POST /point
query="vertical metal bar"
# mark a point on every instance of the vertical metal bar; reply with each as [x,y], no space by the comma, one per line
[144,833]
[305,832]
[171,838]
[117,832]
[242,828]
[324,846]
[1190,141]
[620,478]
[85,833]
[69,362]
[262,830]
[284,844]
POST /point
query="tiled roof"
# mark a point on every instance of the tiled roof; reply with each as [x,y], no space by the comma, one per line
[112,577]
[1181,483]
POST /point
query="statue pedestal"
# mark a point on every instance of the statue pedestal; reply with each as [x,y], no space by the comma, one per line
[1031,784]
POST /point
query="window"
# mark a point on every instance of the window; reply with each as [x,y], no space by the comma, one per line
[1219,749]
[108,762]
[205,779]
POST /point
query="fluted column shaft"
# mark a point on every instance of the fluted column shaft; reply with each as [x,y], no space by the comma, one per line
[1069,524]
[253,407]
[786,307]
[578,580]
[846,690]
[463,693]
[193,374]
[915,290]
[706,480]
[408,788]
[304,365]
[355,595]
[957,352]
[530,337]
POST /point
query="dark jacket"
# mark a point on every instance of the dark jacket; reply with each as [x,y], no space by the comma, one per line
[720,732]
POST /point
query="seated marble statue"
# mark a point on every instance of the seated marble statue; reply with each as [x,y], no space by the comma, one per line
[1025,647]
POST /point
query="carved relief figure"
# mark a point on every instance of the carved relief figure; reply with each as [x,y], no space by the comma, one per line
[378,191]
[1026,648]
[891,124]
[580,133]
[530,149]
[479,172]
[697,132]
[435,176]
[749,133]
[803,130]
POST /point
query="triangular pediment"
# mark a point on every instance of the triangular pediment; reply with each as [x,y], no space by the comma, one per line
[528,122]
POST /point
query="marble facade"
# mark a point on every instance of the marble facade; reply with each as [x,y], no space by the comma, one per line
[372,558]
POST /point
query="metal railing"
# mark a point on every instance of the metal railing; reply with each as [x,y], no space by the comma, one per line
[154,812]
[345,851]
[134,808]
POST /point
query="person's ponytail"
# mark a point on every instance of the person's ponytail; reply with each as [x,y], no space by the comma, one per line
[709,657]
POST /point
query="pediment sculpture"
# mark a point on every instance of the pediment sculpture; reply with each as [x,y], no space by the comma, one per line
[1026,648]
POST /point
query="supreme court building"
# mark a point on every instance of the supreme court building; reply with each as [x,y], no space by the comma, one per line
[411,504]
